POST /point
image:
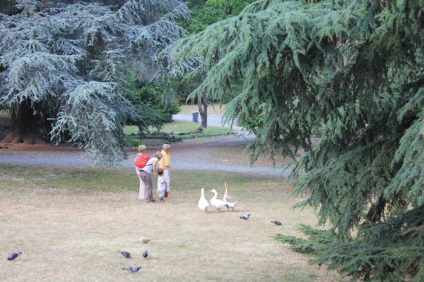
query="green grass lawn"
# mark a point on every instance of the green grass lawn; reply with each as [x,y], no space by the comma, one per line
[114,180]
[181,129]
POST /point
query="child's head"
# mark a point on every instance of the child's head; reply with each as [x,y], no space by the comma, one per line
[158,155]
[166,147]
[142,149]
[160,171]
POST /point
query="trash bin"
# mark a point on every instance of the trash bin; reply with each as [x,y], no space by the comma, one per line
[195,116]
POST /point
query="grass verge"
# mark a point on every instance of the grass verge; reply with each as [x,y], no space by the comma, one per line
[181,129]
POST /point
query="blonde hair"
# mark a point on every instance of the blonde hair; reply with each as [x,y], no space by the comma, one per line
[142,148]
[158,155]
[166,146]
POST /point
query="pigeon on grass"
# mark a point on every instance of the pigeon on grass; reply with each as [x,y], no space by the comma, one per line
[132,268]
[125,254]
[12,256]
[276,222]
[145,253]
[245,217]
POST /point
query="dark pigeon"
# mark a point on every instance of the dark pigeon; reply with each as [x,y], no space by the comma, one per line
[276,222]
[245,217]
[145,253]
[125,254]
[132,268]
[12,256]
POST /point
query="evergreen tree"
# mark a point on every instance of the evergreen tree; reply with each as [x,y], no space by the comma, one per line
[343,80]
[155,102]
[205,13]
[64,62]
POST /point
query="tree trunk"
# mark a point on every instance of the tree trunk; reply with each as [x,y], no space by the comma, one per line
[25,125]
[203,110]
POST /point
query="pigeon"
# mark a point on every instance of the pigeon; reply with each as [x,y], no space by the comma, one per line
[145,241]
[245,217]
[276,222]
[132,268]
[125,254]
[145,253]
[12,256]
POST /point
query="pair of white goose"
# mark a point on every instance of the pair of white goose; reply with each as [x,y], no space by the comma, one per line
[227,201]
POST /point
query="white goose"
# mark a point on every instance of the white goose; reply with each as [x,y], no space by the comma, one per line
[203,203]
[216,203]
[231,202]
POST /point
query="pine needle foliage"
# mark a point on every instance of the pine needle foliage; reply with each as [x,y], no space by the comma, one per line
[66,62]
[379,253]
[351,74]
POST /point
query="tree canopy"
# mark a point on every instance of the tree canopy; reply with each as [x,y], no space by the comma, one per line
[343,80]
[65,62]
[207,12]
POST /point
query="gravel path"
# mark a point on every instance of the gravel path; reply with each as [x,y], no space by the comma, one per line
[213,154]
[224,153]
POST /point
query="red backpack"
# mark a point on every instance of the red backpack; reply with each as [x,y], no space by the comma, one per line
[141,161]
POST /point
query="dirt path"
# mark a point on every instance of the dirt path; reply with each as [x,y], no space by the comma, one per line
[224,153]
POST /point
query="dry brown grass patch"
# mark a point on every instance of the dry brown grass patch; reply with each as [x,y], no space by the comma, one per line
[73,235]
